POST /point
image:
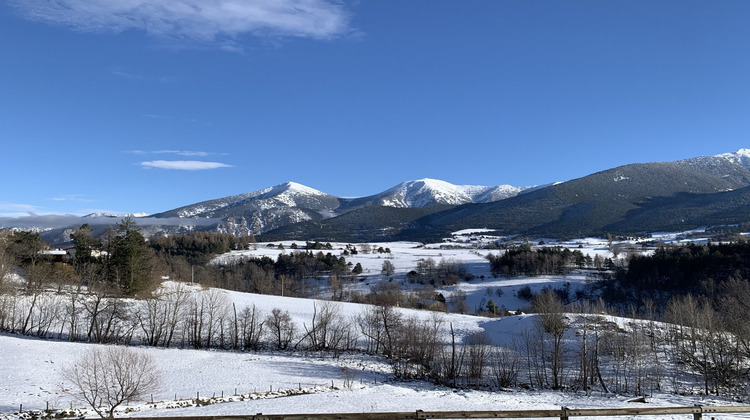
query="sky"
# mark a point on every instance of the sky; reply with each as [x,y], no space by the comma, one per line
[144,106]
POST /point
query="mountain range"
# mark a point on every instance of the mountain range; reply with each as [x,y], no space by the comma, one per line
[290,203]
[634,198]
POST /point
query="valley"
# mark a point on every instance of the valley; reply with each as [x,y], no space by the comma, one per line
[354,376]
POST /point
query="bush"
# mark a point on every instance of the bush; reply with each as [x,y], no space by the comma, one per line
[525,293]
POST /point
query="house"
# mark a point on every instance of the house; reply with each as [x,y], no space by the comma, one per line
[55,255]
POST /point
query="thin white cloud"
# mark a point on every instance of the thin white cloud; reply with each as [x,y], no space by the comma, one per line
[183,165]
[18,210]
[135,77]
[194,153]
[183,152]
[218,22]
[169,117]
[72,197]
[125,75]
[157,116]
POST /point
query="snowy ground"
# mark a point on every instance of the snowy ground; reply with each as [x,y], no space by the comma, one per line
[258,383]
[30,369]
[405,255]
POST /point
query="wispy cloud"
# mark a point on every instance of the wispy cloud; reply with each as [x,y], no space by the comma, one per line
[194,153]
[125,75]
[218,22]
[169,117]
[157,116]
[72,197]
[184,165]
[17,209]
[135,77]
[182,152]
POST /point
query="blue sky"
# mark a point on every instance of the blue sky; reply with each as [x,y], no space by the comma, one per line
[144,106]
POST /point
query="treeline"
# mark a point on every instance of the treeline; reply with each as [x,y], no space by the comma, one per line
[123,262]
[446,272]
[187,316]
[523,260]
[289,274]
[687,349]
[199,247]
[119,259]
[714,274]
[688,269]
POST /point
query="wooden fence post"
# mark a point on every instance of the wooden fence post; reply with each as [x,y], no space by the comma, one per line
[564,415]
[699,414]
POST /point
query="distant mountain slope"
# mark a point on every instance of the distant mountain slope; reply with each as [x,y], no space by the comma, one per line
[635,198]
[430,192]
[289,194]
[263,210]
[363,224]
[289,203]
[687,211]
[598,202]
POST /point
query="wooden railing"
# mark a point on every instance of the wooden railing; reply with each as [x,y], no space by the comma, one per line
[564,413]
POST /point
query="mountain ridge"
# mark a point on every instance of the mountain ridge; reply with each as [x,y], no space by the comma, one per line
[291,202]
[638,197]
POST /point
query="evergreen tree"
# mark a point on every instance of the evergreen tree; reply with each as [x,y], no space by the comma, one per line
[130,262]
[492,307]
[357,269]
[85,244]
[25,247]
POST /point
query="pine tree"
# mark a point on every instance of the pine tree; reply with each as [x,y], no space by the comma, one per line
[492,307]
[130,263]
[357,269]
[85,244]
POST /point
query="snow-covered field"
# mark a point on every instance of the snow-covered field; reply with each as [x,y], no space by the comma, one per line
[253,383]
[405,256]
[249,383]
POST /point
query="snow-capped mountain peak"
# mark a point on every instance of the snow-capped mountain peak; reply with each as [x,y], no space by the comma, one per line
[291,202]
[740,157]
[427,192]
[296,188]
[289,194]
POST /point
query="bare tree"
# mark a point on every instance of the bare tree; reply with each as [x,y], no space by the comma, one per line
[159,314]
[37,277]
[109,377]
[206,313]
[109,318]
[388,268]
[477,355]
[451,359]
[152,317]
[251,328]
[505,364]
[365,248]
[552,321]
[328,328]
[369,325]
[281,328]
